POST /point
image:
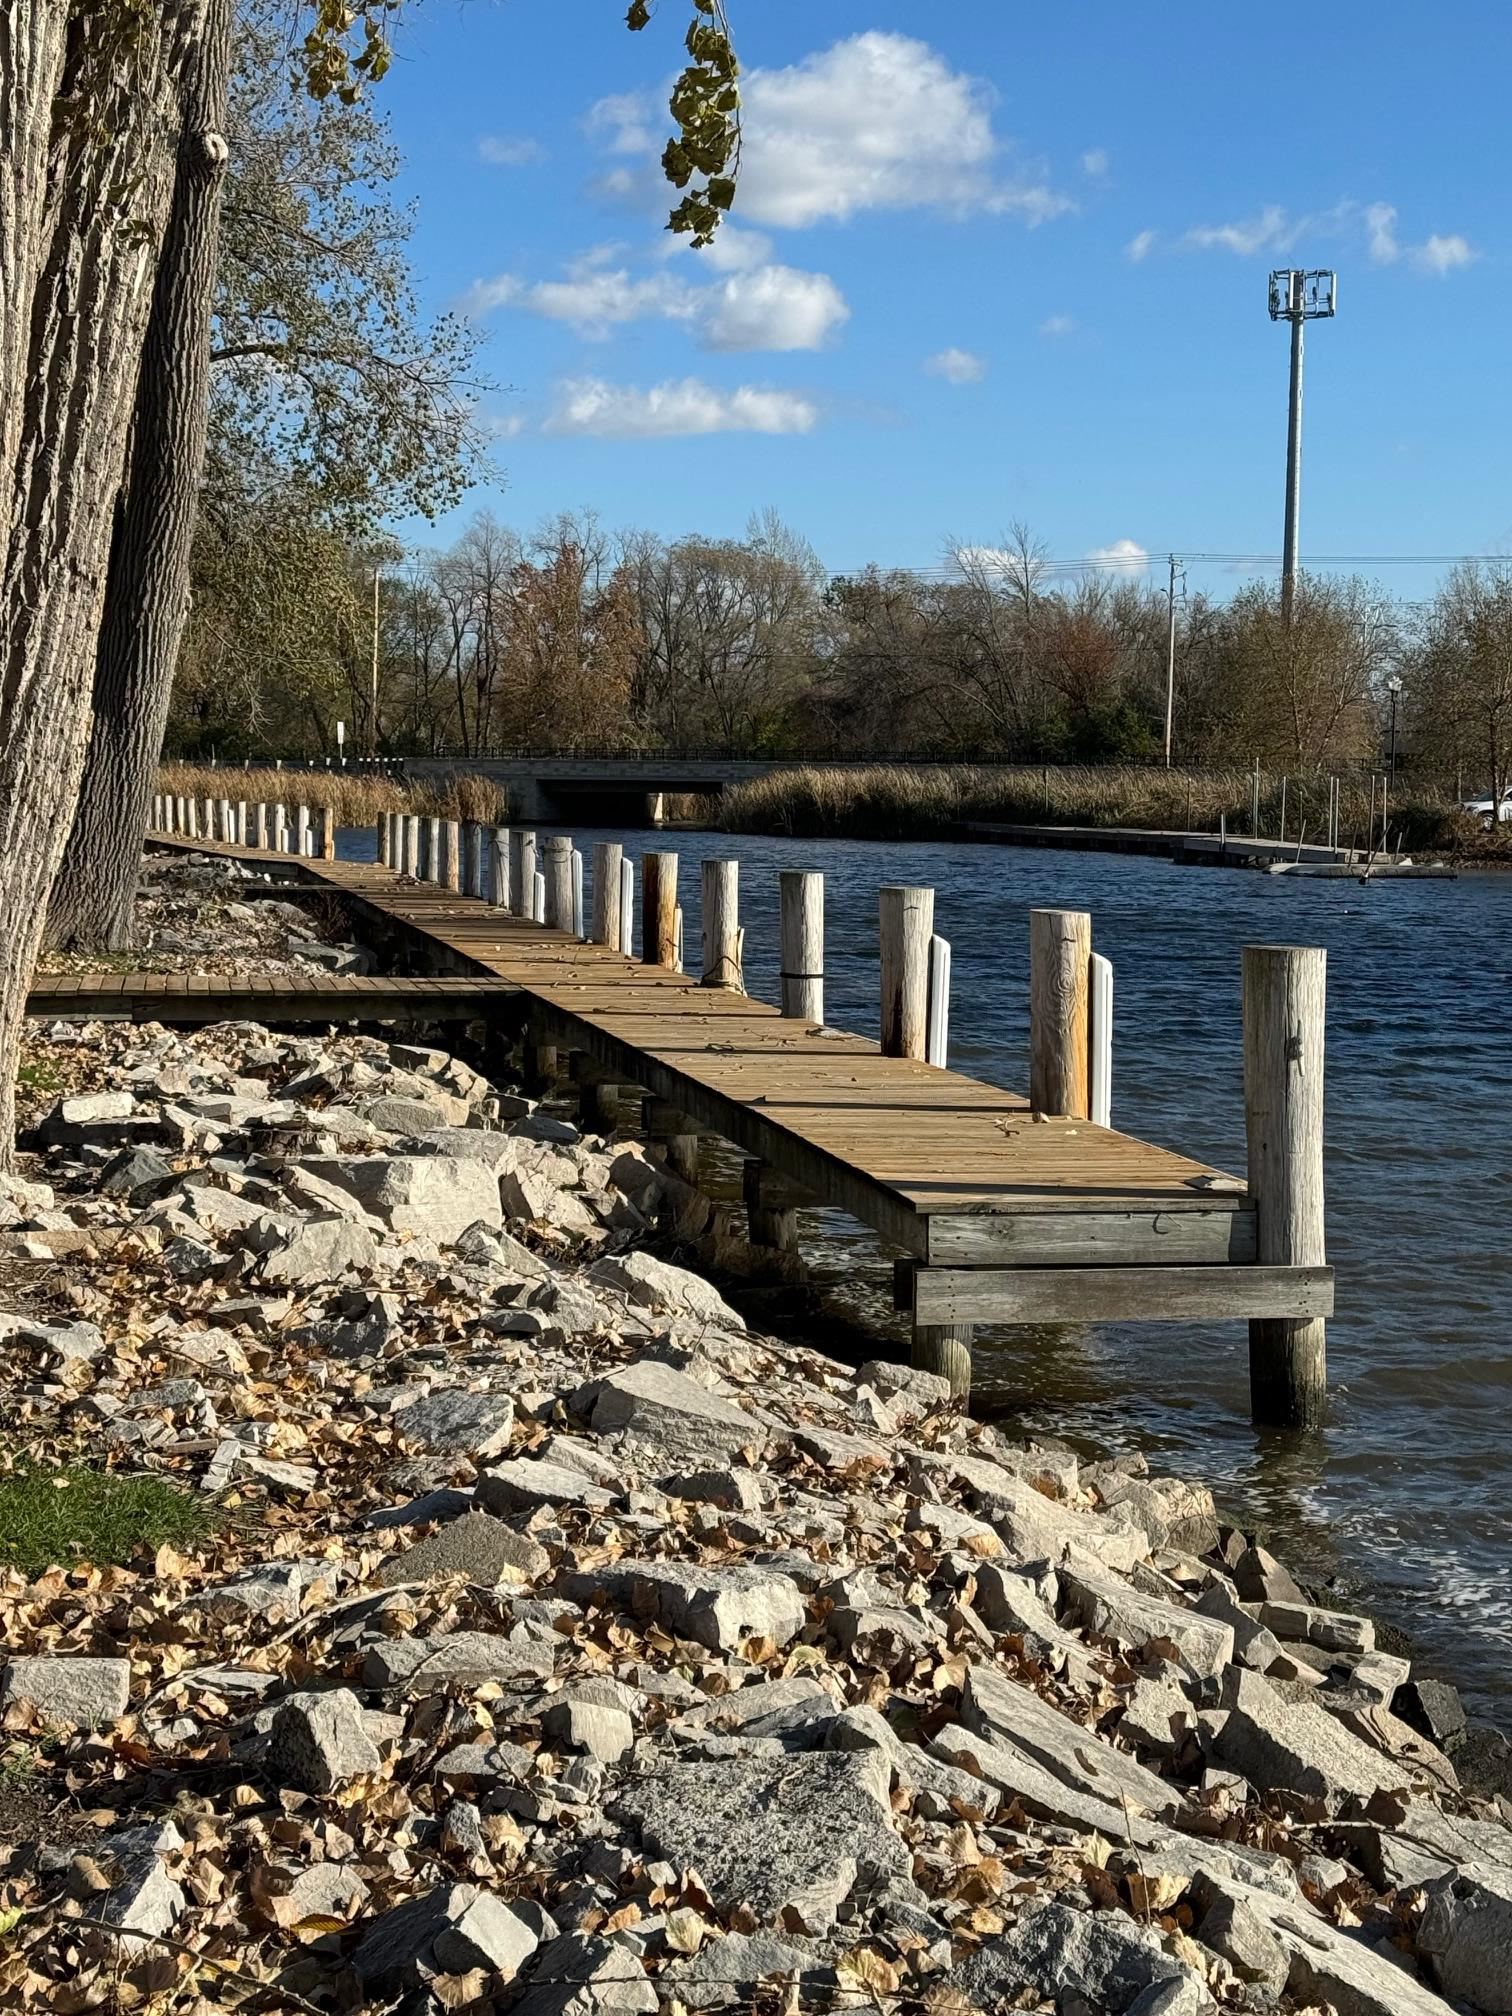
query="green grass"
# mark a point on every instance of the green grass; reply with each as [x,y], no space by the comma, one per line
[39,1077]
[73,1515]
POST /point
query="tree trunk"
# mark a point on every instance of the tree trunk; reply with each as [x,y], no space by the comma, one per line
[87,120]
[147,586]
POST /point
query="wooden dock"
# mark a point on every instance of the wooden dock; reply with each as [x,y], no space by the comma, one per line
[1004,1215]
[188,1000]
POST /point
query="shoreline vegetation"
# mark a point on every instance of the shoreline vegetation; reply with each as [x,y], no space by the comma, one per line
[891,801]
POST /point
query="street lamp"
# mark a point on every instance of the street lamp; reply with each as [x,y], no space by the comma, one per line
[1297,296]
[1394,688]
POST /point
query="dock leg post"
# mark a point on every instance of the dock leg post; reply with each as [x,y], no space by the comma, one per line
[802,944]
[944,1348]
[907,924]
[540,1064]
[1284,993]
[671,1129]
[721,926]
[598,1110]
[1060,1012]
[659,910]
[607,857]
[771,1217]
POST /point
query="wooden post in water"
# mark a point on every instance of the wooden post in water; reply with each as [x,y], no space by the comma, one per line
[522,871]
[721,926]
[907,921]
[326,832]
[411,845]
[243,832]
[1284,992]
[1060,1012]
[502,892]
[659,909]
[771,1213]
[627,907]
[577,893]
[432,862]
[538,898]
[223,821]
[454,854]
[557,868]
[280,820]
[801,942]
[607,857]
[302,830]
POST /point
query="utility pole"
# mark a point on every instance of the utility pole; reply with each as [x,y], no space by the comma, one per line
[1297,296]
[1170,656]
[373,709]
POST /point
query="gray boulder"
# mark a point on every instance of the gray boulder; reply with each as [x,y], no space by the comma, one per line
[656,1408]
[77,1693]
[319,1741]
[1101,1958]
[449,1930]
[714,1606]
[1293,1746]
[1467,1935]
[482,1550]
[650,1283]
[455,1422]
[437,1196]
[790,1836]
[317,1249]
[143,1897]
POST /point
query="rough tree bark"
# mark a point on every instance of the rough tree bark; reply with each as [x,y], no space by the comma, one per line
[88,117]
[147,584]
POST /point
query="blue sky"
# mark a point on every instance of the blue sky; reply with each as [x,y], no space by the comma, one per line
[989,263]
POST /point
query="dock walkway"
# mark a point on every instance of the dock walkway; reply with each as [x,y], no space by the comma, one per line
[1006,1215]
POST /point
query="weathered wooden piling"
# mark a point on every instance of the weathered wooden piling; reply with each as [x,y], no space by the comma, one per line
[1060,1010]
[627,907]
[771,1207]
[557,868]
[522,871]
[608,855]
[242,829]
[454,854]
[659,909]
[412,844]
[801,944]
[907,924]
[503,888]
[325,832]
[432,862]
[1284,993]
[667,1124]
[721,926]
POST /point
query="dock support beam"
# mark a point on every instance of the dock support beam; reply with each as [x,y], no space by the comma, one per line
[1284,993]
[672,1128]
[944,1348]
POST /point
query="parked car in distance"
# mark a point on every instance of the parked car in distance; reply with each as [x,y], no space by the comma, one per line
[1480,808]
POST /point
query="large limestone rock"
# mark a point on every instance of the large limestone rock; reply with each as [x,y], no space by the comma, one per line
[78,1693]
[1467,1935]
[790,1836]
[1293,1746]
[664,1412]
[449,1930]
[319,1741]
[714,1606]
[649,1283]
[437,1196]
[1102,1959]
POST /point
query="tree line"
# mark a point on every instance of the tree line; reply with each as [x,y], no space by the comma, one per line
[570,636]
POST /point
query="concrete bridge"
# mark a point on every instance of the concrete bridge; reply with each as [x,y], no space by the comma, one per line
[623,790]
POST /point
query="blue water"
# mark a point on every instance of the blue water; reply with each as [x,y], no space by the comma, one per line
[1407,1495]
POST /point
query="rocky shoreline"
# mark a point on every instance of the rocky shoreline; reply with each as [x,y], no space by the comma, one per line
[558,1645]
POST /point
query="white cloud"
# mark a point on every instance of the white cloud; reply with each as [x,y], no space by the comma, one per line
[1277,232]
[1058,325]
[773,308]
[503,150]
[1269,231]
[1439,253]
[1095,162]
[1140,246]
[591,406]
[1124,556]
[957,367]
[1443,253]
[731,250]
[876,122]
[760,308]
[506,426]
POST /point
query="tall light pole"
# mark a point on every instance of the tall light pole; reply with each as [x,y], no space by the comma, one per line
[1297,296]
[373,704]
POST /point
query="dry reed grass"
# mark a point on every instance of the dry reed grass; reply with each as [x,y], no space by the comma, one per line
[357,800]
[896,801]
